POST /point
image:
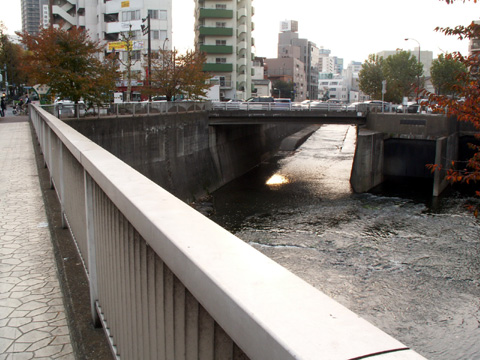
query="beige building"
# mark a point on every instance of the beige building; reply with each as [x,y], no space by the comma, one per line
[426,58]
[288,70]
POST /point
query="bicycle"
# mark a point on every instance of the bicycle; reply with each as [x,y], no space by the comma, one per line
[20,110]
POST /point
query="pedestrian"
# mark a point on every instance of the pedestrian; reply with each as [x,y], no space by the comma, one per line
[3,106]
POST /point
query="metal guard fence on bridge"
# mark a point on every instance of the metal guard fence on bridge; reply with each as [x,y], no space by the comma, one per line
[153,108]
[168,283]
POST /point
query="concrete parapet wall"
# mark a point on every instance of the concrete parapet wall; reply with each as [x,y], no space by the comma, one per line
[424,125]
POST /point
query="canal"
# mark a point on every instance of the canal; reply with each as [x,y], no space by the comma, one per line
[407,263]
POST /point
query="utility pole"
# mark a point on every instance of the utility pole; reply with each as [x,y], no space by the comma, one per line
[145,31]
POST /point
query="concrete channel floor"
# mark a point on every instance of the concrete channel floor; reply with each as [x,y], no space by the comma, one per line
[33,323]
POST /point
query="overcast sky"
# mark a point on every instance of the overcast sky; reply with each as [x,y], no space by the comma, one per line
[351,29]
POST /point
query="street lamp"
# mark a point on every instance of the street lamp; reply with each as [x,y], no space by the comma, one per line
[418,75]
[278,92]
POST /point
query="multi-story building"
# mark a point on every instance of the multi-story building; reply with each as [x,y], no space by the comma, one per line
[35,15]
[290,45]
[290,70]
[223,31]
[333,87]
[107,20]
[261,85]
[474,44]
[426,58]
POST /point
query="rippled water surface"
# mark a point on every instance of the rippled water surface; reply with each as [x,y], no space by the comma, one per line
[407,264]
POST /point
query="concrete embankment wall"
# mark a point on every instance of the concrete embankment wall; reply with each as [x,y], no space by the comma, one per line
[403,145]
[181,152]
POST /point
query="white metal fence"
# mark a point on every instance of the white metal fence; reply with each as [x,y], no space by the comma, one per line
[63,111]
[167,283]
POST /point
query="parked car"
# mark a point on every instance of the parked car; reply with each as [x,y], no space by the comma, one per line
[283,104]
[67,103]
[353,106]
[262,99]
[258,103]
[302,105]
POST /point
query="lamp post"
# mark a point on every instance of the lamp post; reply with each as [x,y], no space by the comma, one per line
[418,75]
[278,92]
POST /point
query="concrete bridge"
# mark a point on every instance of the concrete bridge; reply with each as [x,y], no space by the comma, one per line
[316,117]
[166,282]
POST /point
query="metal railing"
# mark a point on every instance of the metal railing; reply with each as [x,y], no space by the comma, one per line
[63,111]
[167,283]
[313,106]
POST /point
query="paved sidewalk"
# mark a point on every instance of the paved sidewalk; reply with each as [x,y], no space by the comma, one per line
[33,323]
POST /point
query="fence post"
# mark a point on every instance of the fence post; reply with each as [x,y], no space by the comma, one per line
[61,185]
[92,263]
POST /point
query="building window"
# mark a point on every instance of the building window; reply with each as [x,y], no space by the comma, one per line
[131,15]
[220,42]
[221,24]
[136,55]
[220,60]
[220,6]
[158,14]
[136,34]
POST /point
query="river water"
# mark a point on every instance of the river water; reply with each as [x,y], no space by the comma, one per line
[407,264]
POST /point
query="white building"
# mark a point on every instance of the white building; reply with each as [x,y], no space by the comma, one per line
[333,86]
[107,20]
[223,30]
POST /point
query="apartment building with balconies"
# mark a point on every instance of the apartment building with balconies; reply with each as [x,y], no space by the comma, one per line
[223,31]
[107,20]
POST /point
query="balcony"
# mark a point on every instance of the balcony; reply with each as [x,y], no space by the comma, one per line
[216,14]
[216,31]
[216,49]
[218,67]
[241,13]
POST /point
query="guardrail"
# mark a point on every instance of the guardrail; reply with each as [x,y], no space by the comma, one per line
[314,106]
[63,111]
[168,283]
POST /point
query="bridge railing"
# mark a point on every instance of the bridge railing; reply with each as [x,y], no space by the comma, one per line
[168,283]
[311,106]
[63,111]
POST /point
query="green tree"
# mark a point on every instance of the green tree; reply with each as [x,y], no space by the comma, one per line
[283,89]
[174,75]
[445,72]
[11,56]
[403,74]
[401,71]
[69,63]
[370,76]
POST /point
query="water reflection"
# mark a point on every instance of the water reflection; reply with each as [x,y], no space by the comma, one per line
[409,268]
[276,180]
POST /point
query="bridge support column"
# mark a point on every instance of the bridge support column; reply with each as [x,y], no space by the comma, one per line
[446,152]
[367,169]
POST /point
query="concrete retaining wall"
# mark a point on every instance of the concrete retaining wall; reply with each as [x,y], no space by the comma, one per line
[367,168]
[181,152]
[403,145]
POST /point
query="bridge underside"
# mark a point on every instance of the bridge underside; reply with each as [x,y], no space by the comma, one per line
[317,117]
